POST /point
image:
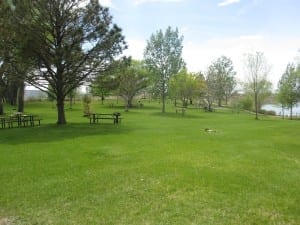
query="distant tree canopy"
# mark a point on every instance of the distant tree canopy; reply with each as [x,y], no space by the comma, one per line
[106,83]
[5,53]
[163,56]
[289,87]
[186,86]
[257,84]
[220,79]
[133,79]
[67,42]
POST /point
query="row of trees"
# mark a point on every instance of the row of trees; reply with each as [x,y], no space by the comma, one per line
[163,73]
[58,45]
[55,46]
[289,87]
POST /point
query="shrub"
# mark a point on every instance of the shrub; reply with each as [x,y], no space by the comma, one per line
[267,112]
[246,103]
[86,104]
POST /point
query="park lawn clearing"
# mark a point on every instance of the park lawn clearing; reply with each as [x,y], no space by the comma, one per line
[152,168]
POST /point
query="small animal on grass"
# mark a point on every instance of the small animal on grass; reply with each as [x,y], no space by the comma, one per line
[209,130]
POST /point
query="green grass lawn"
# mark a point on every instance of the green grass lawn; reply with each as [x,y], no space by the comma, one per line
[152,168]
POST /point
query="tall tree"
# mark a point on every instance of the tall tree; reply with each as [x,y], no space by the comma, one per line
[133,79]
[163,55]
[257,70]
[107,82]
[70,42]
[104,83]
[4,34]
[185,86]
[221,76]
[11,46]
[289,88]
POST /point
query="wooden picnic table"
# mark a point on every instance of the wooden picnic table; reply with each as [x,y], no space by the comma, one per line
[96,117]
[19,120]
[180,110]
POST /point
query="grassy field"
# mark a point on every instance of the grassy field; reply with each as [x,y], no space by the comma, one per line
[150,169]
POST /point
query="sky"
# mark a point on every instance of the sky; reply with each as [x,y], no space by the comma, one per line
[212,28]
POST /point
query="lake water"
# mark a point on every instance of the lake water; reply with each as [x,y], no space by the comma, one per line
[278,110]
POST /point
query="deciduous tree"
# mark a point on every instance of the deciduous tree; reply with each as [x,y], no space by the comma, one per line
[257,69]
[289,88]
[185,86]
[70,42]
[133,79]
[163,55]
[221,79]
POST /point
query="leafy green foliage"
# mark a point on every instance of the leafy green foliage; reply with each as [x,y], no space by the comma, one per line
[163,56]
[86,99]
[133,79]
[71,42]
[247,103]
[186,86]
[220,79]
[257,85]
[289,88]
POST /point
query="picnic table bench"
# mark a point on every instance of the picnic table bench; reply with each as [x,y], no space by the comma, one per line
[180,110]
[19,120]
[97,117]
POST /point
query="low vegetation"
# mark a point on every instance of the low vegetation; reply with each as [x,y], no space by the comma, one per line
[153,168]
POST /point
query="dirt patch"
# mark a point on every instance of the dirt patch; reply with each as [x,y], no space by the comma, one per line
[6,221]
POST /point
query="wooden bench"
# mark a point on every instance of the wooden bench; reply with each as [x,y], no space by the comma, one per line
[19,120]
[3,122]
[97,117]
[180,110]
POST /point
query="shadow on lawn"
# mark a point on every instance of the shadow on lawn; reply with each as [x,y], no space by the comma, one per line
[176,115]
[52,132]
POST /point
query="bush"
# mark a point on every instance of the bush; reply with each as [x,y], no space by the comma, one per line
[246,103]
[86,104]
[267,112]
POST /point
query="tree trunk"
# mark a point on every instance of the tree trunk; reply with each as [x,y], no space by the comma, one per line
[102,98]
[129,103]
[219,102]
[256,105]
[70,102]
[163,97]
[20,97]
[61,119]
[12,94]
[291,112]
[1,106]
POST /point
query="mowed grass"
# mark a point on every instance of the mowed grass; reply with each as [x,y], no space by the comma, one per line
[152,168]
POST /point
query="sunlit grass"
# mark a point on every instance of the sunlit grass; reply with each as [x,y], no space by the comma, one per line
[150,169]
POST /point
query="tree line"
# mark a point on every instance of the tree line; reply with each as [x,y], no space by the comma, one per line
[59,45]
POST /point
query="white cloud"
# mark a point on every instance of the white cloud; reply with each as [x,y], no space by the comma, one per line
[279,53]
[199,55]
[136,48]
[228,2]
[107,3]
[251,37]
[139,2]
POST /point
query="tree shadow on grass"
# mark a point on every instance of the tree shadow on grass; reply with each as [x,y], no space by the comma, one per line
[176,115]
[52,132]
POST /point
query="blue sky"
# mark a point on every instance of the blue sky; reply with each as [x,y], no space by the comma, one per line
[212,28]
